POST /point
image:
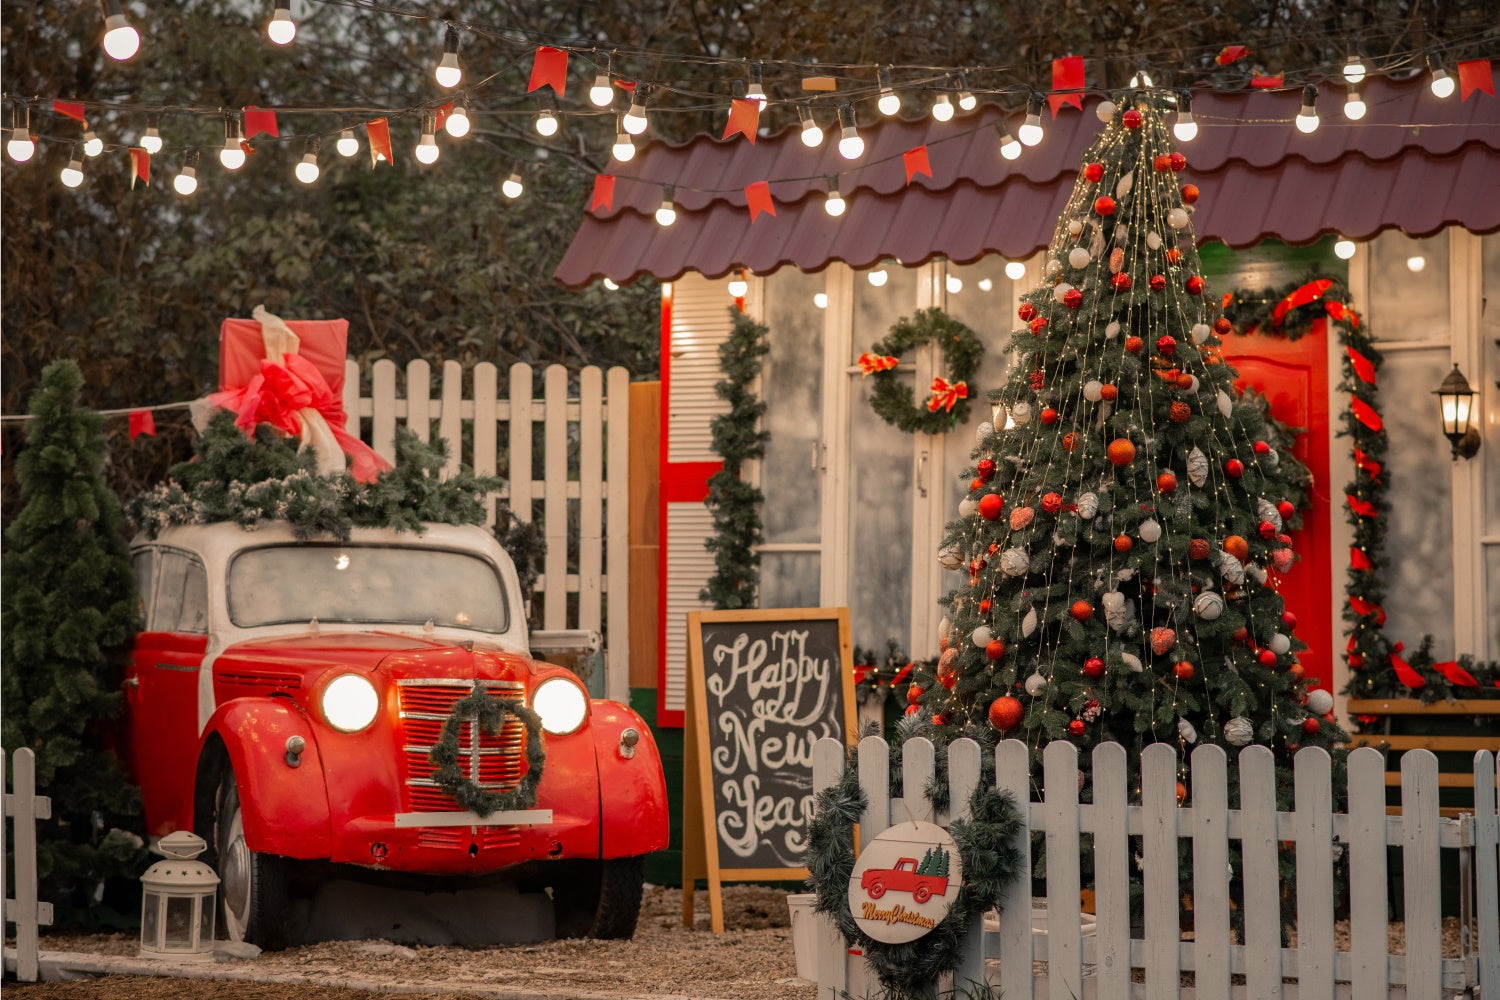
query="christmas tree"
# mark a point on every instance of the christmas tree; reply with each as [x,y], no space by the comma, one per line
[1122,528]
[69,616]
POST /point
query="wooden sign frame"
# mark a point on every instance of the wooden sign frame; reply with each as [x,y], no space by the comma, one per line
[700,847]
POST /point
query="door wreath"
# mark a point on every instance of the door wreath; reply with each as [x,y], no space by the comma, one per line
[948,397]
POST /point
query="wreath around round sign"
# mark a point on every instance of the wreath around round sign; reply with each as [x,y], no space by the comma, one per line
[987,854]
[948,405]
[489,713]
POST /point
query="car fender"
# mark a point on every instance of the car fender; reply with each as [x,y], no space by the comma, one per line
[632,790]
[284,809]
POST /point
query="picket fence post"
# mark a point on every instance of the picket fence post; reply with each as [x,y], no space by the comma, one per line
[24,910]
[1487,868]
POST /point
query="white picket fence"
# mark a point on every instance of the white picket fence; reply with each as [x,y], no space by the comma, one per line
[24,910]
[1099,964]
[581,490]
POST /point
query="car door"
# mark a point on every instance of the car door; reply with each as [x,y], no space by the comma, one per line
[161,684]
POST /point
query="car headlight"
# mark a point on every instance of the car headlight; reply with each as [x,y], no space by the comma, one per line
[350,703]
[562,704]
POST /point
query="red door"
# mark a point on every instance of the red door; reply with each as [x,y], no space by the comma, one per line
[1293,376]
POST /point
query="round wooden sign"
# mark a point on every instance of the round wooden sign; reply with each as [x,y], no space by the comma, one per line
[905,882]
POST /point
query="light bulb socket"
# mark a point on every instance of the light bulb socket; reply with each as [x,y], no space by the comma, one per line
[312,147]
[846,116]
[1034,104]
[1184,102]
[832,183]
[450,40]
[883,74]
[233,130]
[1310,99]
[190,158]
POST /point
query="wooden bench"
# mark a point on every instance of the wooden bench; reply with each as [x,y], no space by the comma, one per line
[1446,710]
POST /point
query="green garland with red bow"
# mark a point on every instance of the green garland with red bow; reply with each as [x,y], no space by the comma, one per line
[947,404]
[1378,670]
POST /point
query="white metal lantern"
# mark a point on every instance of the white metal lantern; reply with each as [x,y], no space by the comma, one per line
[178,901]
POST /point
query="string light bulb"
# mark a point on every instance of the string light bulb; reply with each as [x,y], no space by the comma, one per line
[755,92]
[546,123]
[966,99]
[738,286]
[942,108]
[232,156]
[1015,270]
[1343,248]
[602,93]
[512,187]
[307,171]
[623,149]
[1030,133]
[1009,147]
[448,72]
[347,144]
[1185,129]
[851,146]
[72,174]
[834,204]
[121,41]
[878,277]
[666,212]
[1141,77]
[610,285]
[1442,84]
[1354,105]
[812,132]
[953,283]
[281,29]
[1307,117]
[20,147]
[457,123]
[427,151]
[151,141]
[635,119]
[889,102]
[1354,68]
[92,144]
[820,300]
[186,181]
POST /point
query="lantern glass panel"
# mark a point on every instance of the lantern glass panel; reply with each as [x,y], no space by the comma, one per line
[179,925]
[150,920]
[206,920]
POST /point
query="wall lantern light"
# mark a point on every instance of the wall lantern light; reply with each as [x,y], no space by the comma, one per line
[1456,404]
[177,902]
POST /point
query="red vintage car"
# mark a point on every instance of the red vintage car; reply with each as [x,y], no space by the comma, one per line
[286,695]
[903,878]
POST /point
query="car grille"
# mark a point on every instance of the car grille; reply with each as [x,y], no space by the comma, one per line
[496,762]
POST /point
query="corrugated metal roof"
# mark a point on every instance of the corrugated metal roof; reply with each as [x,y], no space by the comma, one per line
[1259,177]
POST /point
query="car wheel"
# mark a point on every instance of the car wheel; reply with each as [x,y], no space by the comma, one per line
[600,899]
[921,894]
[876,890]
[253,887]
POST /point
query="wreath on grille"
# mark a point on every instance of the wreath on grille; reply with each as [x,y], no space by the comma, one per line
[490,714]
[948,397]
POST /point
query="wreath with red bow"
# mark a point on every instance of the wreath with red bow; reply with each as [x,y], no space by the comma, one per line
[947,403]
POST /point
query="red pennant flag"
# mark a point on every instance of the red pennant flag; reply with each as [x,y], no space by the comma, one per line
[140,163]
[142,422]
[915,162]
[1363,508]
[71,109]
[1363,461]
[550,69]
[604,193]
[1231,53]
[378,132]
[1363,366]
[258,121]
[1067,74]
[744,118]
[1475,75]
[758,199]
[1456,674]
[442,115]
[1408,676]
[1358,560]
[1365,414]
[1268,82]
[626,85]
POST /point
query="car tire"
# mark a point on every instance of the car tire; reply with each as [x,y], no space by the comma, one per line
[921,894]
[600,899]
[876,890]
[253,887]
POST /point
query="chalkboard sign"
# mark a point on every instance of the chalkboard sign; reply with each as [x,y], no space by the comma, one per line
[764,685]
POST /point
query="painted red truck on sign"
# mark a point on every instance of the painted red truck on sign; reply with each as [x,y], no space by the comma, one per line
[903,878]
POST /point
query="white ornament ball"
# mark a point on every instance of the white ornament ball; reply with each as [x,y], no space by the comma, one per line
[1150,531]
[1226,405]
[1093,390]
[1208,605]
[1200,332]
[1132,662]
[1014,562]
[1021,413]
[1271,459]
[1054,267]
[1266,511]
[1279,644]
[1232,569]
[1256,572]
[1153,241]
[1320,701]
[1111,330]
[967,507]
[1239,731]
[1192,384]
[1079,257]
[1088,505]
[1105,111]
[945,629]
[1062,289]
[983,431]
[1075,227]
[980,636]
[1035,685]
[1186,731]
[1197,467]
[1028,623]
[1177,218]
[948,558]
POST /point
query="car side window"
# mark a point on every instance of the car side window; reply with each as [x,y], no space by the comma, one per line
[143,560]
[181,603]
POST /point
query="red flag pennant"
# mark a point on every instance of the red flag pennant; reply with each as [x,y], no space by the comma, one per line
[758,199]
[744,118]
[604,193]
[1231,53]
[1358,560]
[140,164]
[549,69]
[1363,366]
[1365,414]
[915,161]
[1456,674]
[142,422]
[1067,74]
[1268,82]
[442,115]
[71,109]
[1407,675]
[1363,508]
[379,134]
[1475,75]
[258,121]
[627,85]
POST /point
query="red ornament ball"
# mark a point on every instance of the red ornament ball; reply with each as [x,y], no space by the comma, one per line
[1027,312]
[976,484]
[1131,119]
[1236,546]
[1180,412]
[1006,713]
[1038,325]
[1222,326]
[1189,193]
[977,565]
[1094,172]
[1234,468]
[1198,548]
[1038,379]
[1121,451]
[939,720]
[1070,441]
[1266,658]
[1174,256]
[1082,610]
[948,679]
[1158,282]
[995,649]
[1288,619]
[1311,725]
[1073,298]
[1093,666]
[1194,285]
[984,606]
[1166,344]
[1123,543]
[1049,415]
[1286,510]
[1052,503]
[990,506]
[1109,391]
[913,709]
[1121,282]
[1267,530]
[1075,728]
[914,694]
[1261,448]
[1184,670]
[1162,163]
[1166,482]
[1178,162]
[1133,344]
[1104,205]
[986,469]
[1240,634]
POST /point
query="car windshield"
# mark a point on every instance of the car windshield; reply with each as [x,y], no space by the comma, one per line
[367,584]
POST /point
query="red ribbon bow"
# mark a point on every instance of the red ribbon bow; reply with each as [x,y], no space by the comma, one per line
[946,396]
[869,362]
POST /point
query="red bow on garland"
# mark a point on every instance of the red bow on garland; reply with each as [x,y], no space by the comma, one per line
[946,396]
[1408,676]
[876,363]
